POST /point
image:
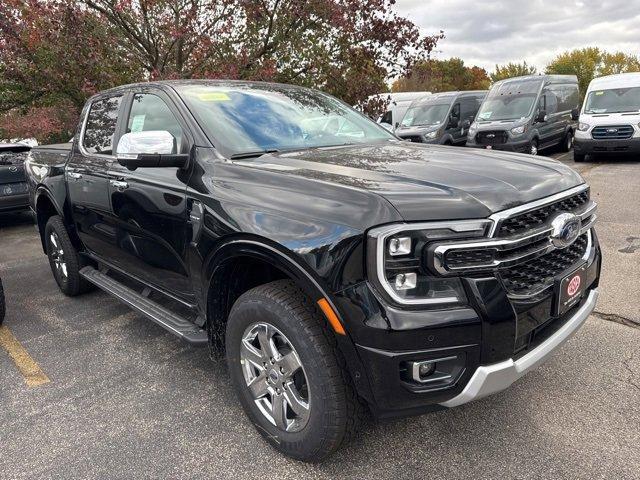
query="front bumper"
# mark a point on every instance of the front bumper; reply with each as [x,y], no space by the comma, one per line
[489,379]
[494,339]
[589,145]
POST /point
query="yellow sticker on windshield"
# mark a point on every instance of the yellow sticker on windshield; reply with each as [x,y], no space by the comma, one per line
[213,96]
[599,93]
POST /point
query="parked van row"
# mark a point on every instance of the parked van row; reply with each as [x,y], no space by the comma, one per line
[522,114]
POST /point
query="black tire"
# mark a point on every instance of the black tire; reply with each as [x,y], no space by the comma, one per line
[2,306]
[579,157]
[71,283]
[335,411]
[567,142]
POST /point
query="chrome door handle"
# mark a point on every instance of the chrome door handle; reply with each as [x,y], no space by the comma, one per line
[119,185]
[74,175]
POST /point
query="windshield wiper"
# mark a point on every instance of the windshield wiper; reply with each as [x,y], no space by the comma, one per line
[257,153]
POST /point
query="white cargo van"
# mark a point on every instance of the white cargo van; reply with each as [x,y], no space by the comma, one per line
[610,117]
[398,105]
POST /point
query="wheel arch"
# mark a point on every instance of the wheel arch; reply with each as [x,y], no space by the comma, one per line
[245,262]
[45,207]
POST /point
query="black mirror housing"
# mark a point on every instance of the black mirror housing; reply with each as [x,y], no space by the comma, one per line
[575,114]
[542,116]
[154,160]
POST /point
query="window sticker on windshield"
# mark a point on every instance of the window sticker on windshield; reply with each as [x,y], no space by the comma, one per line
[599,93]
[213,96]
[137,124]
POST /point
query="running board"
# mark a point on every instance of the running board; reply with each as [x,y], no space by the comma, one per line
[177,325]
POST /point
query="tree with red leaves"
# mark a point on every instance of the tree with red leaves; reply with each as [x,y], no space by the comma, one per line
[55,53]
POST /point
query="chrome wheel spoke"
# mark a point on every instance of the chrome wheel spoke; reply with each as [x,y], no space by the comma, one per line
[290,363]
[250,354]
[265,338]
[54,240]
[295,401]
[258,386]
[278,413]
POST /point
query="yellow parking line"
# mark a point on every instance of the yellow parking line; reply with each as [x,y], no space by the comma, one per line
[31,371]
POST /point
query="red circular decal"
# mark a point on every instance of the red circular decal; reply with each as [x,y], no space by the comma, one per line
[574,285]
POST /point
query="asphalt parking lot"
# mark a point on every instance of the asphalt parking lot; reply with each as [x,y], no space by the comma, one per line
[125,399]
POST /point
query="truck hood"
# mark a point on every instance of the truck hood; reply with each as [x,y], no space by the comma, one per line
[428,182]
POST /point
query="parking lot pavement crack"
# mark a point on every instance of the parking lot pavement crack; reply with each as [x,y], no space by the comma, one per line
[612,317]
[632,372]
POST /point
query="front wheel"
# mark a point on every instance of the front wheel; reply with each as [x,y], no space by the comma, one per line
[64,259]
[288,372]
[533,147]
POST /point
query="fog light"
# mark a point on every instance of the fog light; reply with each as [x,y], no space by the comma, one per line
[399,246]
[421,371]
[406,281]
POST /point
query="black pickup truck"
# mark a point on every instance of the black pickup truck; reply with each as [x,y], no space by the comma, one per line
[341,270]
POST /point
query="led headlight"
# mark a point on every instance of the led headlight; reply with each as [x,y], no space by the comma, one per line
[518,130]
[431,135]
[398,261]
[583,127]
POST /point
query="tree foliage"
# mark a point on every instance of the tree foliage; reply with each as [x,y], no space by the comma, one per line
[442,76]
[58,52]
[588,63]
[511,70]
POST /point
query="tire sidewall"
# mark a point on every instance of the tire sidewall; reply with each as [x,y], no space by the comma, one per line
[304,443]
[63,283]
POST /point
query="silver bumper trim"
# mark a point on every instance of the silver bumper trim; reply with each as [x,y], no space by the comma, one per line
[489,379]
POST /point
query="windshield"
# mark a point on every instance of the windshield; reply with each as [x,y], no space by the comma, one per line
[510,100]
[255,118]
[428,114]
[615,100]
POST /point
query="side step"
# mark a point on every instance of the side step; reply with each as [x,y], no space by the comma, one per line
[139,302]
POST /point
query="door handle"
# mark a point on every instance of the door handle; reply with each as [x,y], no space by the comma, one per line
[74,175]
[119,185]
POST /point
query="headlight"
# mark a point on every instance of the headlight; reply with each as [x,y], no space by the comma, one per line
[398,263]
[583,127]
[431,135]
[518,130]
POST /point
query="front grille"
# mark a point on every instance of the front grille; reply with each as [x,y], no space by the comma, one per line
[469,258]
[9,189]
[612,132]
[540,216]
[537,274]
[492,137]
[413,138]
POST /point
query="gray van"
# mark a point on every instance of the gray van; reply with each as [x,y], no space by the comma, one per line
[442,118]
[527,114]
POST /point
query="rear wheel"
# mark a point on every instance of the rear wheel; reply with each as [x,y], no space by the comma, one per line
[288,372]
[64,259]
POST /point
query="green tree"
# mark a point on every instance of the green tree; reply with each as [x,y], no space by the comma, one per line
[618,62]
[442,76]
[584,63]
[511,70]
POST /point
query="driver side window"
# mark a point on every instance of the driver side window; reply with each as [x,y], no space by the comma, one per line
[150,113]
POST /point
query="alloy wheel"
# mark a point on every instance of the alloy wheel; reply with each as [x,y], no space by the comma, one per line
[533,149]
[57,256]
[275,377]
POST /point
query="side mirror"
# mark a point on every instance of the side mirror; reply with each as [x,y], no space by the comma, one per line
[149,149]
[454,122]
[466,124]
[575,114]
[397,125]
[542,116]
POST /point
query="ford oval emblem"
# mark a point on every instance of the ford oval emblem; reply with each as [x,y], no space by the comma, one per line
[565,228]
[612,130]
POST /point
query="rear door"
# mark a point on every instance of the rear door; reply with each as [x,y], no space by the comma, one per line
[86,174]
[149,204]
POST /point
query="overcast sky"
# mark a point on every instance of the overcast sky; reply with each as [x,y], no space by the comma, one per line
[486,32]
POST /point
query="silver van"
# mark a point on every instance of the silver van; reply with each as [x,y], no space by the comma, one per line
[527,114]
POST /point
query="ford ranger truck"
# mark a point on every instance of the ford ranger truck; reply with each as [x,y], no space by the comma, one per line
[344,273]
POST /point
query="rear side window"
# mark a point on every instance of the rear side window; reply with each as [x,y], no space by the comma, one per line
[150,113]
[567,96]
[101,126]
[469,107]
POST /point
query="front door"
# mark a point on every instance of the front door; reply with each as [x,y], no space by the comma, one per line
[86,174]
[149,204]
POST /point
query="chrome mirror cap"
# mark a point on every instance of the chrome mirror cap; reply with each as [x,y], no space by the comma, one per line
[151,142]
